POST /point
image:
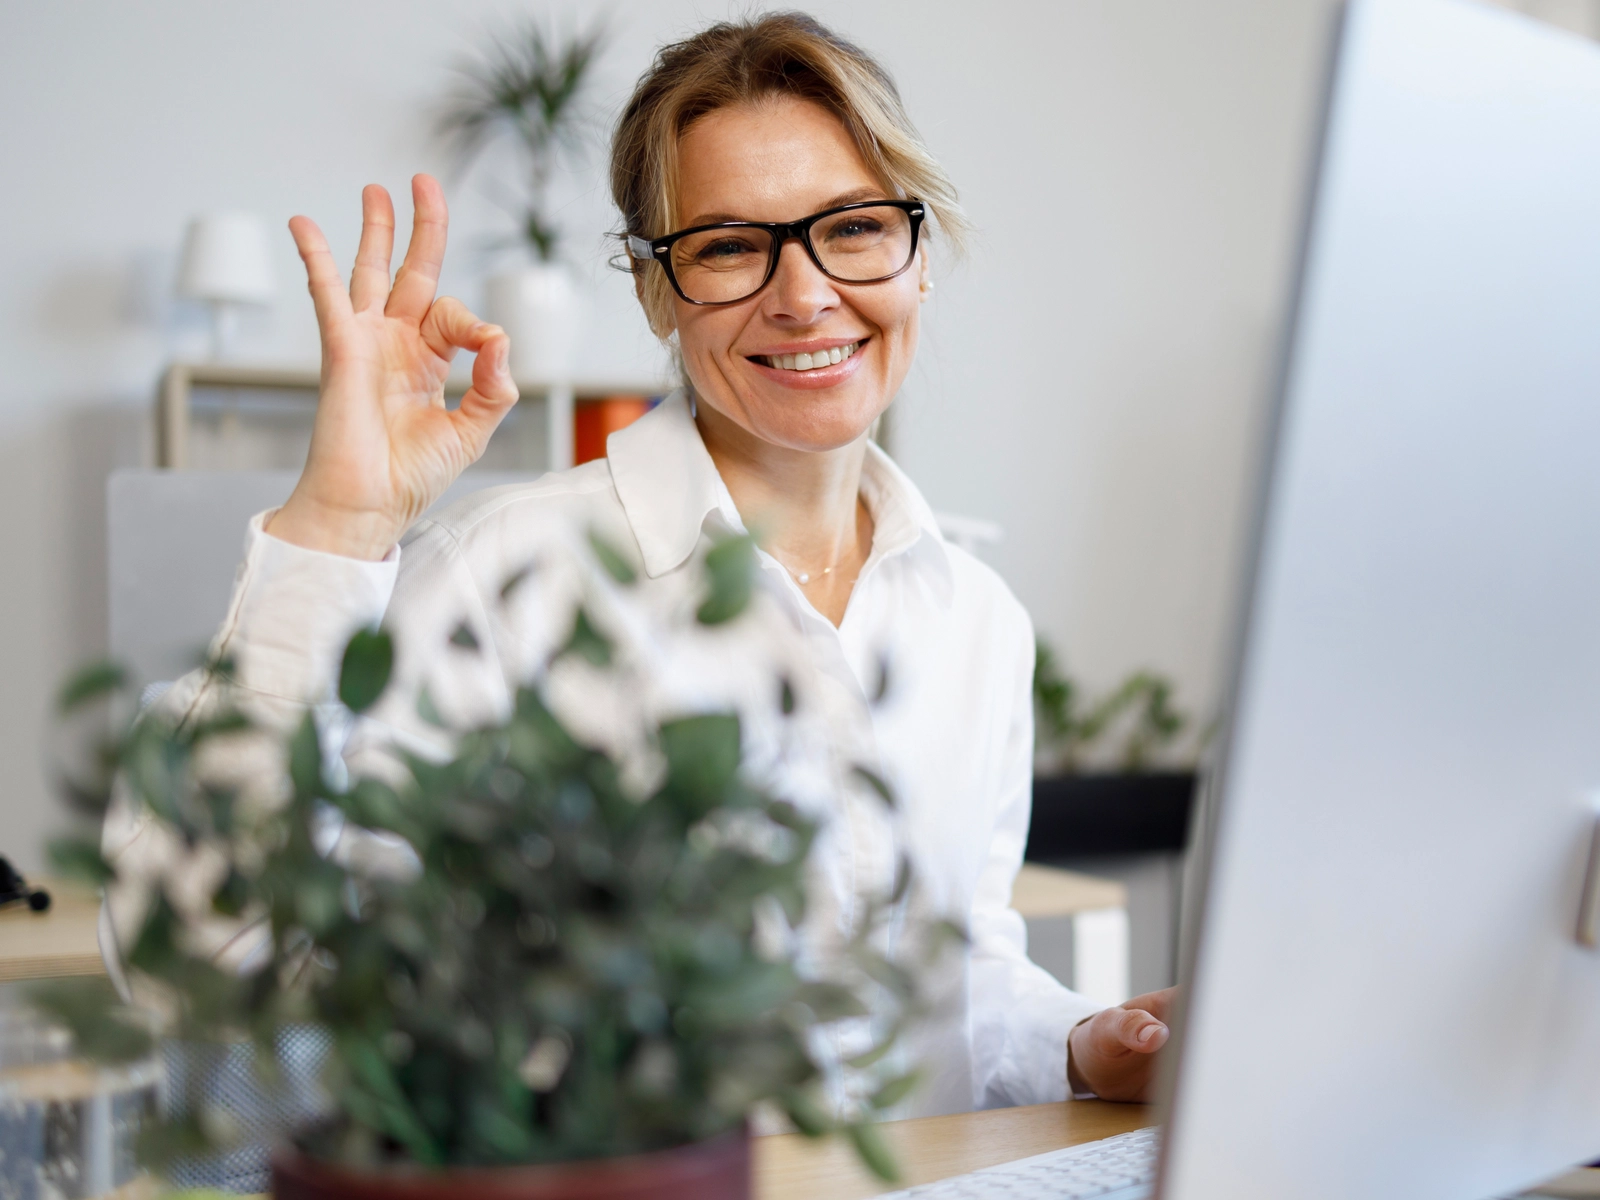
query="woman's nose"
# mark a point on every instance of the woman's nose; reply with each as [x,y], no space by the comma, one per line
[799,291]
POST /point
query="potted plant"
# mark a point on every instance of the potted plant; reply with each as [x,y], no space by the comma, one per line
[581,978]
[529,89]
[1109,777]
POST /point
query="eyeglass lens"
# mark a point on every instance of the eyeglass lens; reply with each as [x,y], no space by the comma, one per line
[718,266]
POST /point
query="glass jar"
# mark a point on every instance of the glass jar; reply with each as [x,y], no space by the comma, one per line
[68,1127]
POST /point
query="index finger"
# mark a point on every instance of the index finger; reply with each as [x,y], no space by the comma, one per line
[1157,1004]
[322,273]
[418,277]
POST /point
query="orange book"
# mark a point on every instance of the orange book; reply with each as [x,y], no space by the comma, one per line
[593,421]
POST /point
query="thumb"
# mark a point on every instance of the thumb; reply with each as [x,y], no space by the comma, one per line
[1138,1031]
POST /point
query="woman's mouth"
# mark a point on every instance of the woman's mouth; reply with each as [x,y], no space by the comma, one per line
[808,362]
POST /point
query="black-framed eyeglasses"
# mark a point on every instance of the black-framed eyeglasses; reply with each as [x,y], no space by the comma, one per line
[867,242]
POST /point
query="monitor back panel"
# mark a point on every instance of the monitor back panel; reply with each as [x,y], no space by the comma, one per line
[1389,1000]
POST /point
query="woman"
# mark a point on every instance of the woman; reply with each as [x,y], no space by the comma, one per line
[776,203]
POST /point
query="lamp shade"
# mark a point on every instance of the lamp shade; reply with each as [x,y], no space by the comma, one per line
[226,259]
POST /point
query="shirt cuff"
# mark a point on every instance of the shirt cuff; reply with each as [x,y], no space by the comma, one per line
[1076,1088]
[293,610]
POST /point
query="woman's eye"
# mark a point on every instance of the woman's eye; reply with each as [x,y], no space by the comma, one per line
[723,251]
[856,227]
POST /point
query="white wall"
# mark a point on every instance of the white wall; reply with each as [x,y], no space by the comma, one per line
[1090,377]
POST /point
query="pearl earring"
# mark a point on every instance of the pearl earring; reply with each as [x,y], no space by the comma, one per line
[925,288]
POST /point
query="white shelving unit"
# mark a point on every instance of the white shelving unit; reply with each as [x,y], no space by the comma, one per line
[214,411]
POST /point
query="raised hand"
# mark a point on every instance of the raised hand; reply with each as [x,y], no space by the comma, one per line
[384,446]
[1113,1053]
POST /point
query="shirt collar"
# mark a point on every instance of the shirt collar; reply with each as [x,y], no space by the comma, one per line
[669,488]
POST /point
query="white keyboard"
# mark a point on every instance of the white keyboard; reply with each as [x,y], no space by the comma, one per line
[1114,1168]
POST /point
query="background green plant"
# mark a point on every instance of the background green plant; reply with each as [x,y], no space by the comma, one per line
[1132,724]
[529,87]
[572,971]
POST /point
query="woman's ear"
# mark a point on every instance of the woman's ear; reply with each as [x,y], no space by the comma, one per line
[924,273]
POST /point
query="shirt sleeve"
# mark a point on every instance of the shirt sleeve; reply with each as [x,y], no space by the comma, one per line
[291,612]
[1021,1014]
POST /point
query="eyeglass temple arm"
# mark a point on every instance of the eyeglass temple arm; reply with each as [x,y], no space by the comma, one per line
[640,249]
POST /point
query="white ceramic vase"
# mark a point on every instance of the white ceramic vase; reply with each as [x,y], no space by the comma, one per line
[537,305]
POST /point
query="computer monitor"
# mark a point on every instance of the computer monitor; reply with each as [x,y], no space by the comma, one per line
[1387,996]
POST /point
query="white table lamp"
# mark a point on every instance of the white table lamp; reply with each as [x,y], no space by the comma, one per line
[227,263]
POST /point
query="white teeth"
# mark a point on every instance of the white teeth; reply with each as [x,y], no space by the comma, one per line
[810,362]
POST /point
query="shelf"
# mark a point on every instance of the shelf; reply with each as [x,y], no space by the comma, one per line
[175,403]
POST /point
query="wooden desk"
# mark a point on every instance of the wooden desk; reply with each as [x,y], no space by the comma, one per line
[791,1167]
[64,940]
[1052,892]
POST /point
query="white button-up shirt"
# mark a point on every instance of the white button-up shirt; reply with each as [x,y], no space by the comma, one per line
[929,676]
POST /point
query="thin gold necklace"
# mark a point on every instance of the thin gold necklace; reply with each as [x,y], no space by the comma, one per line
[805,577]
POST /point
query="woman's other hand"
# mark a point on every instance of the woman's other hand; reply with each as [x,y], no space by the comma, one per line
[384,446]
[1113,1053]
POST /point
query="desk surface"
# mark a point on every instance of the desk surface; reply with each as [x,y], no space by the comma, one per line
[1052,892]
[63,940]
[792,1167]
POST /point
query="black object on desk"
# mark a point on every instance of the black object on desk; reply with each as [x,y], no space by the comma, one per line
[1106,813]
[14,889]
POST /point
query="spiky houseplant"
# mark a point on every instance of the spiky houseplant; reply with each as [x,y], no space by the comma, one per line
[1139,711]
[529,87]
[593,953]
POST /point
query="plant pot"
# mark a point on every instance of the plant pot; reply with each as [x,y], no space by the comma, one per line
[1105,813]
[716,1169]
[538,307]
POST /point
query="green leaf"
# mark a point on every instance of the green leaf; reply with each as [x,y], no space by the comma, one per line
[809,1117]
[895,1090]
[90,684]
[464,637]
[428,710]
[514,581]
[587,642]
[875,781]
[612,560]
[872,1057]
[103,1028]
[231,898]
[730,567]
[79,858]
[703,754]
[319,899]
[305,759]
[873,1151]
[364,673]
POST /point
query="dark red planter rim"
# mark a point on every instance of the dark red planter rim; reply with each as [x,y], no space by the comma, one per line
[715,1169]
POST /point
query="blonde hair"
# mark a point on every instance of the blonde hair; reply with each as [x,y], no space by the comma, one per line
[743,62]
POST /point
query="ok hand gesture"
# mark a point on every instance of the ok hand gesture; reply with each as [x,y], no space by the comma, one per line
[384,446]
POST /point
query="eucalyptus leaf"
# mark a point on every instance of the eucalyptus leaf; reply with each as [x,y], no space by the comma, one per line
[79,858]
[612,559]
[91,683]
[365,669]
[730,575]
[874,1152]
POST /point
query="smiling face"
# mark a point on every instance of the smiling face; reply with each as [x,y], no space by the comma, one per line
[780,160]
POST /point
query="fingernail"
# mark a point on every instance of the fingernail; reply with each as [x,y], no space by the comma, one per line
[1148,1033]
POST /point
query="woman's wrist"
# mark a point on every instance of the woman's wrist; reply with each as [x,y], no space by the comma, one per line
[349,534]
[1077,1087]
